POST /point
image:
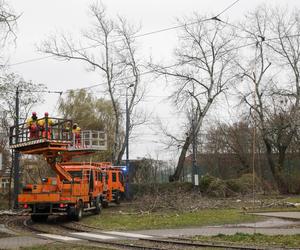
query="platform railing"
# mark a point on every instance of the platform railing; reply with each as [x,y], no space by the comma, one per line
[89,139]
[56,129]
[59,131]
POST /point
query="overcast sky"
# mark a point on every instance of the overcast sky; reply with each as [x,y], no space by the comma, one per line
[42,17]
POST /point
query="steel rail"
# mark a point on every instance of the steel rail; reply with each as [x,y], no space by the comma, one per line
[103,242]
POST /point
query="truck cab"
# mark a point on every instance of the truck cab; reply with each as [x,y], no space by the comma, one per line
[115,185]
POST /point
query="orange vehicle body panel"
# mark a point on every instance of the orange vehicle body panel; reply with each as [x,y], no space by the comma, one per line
[105,179]
[38,197]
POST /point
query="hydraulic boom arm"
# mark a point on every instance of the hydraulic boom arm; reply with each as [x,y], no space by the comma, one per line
[63,175]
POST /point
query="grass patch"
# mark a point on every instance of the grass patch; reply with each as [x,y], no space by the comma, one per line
[275,209]
[110,221]
[293,199]
[254,239]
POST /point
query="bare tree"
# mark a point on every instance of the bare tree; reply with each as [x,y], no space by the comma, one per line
[115,59]
[203,71]
[233,139]
[8,22]
[274,101]
[29,94]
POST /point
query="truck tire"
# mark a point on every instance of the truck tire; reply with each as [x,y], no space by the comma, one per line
[39,217]
[97,206]
[71,212]
[104,204]
[117,197]
[78,211]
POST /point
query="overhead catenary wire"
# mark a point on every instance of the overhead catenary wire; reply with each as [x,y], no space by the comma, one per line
[114,41]
[213,18]
[227,8]
[37,91]
[152,71]
[174,65]
[136,36]
[141,35]
[166,67]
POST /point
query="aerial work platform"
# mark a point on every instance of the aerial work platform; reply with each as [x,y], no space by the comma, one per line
[55,138]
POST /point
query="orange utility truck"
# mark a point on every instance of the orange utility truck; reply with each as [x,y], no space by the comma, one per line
[78,186]
[114,181]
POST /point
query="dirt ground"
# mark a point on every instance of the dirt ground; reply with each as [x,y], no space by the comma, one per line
[193,201]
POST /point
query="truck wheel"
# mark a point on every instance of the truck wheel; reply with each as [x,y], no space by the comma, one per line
[97,205]
[78,211]
[71,212]
[104,204]
[39,217]
[117,197]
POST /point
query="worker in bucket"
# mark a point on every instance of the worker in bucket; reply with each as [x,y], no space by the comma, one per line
[33,126]
[46,126]
[67,128]
[76,130]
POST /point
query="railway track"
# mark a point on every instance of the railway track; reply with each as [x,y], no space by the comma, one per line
[65,228]
[21,223]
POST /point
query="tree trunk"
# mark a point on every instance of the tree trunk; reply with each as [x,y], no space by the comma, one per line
[245,166]
[116,137]
[180,164]
[276,169]
[120,154]
[281,182]
[10,181]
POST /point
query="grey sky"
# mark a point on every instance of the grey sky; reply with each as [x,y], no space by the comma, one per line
[40,18]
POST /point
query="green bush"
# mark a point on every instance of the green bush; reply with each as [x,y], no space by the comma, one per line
[205,181]
[244,184]
[238,186]
[234,185]
[217,188]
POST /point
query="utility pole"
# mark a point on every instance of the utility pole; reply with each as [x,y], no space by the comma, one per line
[16,155]
[127,191]
[194,167]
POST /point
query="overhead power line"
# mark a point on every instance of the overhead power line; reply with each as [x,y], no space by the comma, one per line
[152,71]
[37,91]
[227,8]
[137,36]
[44,91]
[162,68]
[178,64]
[114,41]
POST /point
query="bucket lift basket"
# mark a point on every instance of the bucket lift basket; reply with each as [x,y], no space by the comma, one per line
[57,137]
